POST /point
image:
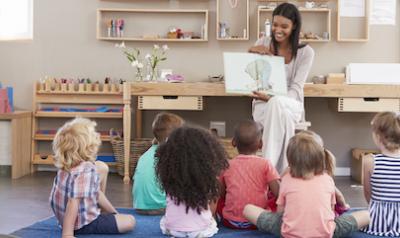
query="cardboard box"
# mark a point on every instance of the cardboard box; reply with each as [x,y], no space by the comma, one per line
[337,78]
[357,163]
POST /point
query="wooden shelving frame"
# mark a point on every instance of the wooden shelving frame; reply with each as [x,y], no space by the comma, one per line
[102,11]
[218,20]
[302,10]
[45,98]
[340,38]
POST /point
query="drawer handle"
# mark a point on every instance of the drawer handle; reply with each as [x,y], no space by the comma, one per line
[170,97]
[371,99]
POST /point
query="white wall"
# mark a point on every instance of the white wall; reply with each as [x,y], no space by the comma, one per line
[65,45]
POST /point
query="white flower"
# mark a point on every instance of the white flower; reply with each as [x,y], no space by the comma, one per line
[148,56]
[122,45]
[140,65]
[156,47]
[165,47]
[135,63]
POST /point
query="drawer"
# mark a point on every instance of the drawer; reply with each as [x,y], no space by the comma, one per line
[170,103]
[368,104]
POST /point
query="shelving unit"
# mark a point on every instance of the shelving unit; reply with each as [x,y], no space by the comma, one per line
[353,29]
[236,19]
[44,99]
[315,20]
[152,25]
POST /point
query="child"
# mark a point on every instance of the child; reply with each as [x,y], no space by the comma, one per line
[382,177]
[77,197]
[306,198]
[188,166]
[330,161]
[247,179]
[148,196]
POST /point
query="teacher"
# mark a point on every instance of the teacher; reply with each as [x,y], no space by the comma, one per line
[279,114]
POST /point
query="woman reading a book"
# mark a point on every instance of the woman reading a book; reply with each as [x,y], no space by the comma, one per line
[279,114]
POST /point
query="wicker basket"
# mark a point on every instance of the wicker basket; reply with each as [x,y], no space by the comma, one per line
[230,150]
[138,147]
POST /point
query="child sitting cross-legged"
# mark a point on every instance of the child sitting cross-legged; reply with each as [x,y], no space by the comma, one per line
[248,178]
[188,166]
[148,196]
[382,177]
[306,198]
[77,197]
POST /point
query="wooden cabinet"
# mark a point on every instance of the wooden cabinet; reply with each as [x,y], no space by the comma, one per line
[52,107]
[152,25]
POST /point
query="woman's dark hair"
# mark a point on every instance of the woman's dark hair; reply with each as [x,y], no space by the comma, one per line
[290,12]
[188,165]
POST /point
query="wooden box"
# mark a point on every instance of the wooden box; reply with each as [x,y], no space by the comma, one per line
[170,103]
[368,104]
[357,163]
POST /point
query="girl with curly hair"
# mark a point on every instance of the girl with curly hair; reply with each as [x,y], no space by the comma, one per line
[188,166]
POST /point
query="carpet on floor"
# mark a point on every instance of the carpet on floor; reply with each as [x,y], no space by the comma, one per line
[146,226]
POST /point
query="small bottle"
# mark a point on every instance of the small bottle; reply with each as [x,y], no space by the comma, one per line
[267,28]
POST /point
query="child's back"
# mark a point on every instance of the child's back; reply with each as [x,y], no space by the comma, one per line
[248,177]
[308,206]
[382,177]
[147,193]
[384,205]
[148,196]
[246,182]
[188,166]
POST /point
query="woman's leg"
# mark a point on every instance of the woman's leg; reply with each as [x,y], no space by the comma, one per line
[279,117]
[102,169]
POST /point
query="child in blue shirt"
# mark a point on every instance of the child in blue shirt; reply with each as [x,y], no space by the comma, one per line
[148,196]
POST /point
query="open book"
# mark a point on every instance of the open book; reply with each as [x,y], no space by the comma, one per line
[247,72]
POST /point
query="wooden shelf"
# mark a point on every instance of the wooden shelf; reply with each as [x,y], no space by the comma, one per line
[37,160]
[315,20]
[50,137]
[152,25]
[150,39]
[77,93]
[81,114]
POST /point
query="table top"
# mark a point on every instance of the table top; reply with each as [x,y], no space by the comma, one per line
[15,115]
[218,89]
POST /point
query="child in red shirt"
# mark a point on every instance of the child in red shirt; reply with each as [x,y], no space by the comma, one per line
[248,178]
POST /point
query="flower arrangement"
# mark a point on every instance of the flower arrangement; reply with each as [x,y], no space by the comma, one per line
[134,59]
[157,55]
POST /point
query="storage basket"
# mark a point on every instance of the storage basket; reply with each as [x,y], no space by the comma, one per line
[230,150]
[138,147]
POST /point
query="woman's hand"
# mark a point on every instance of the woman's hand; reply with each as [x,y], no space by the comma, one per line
[260,96]
[260,49]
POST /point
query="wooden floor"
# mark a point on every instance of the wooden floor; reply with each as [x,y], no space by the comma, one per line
[25,200]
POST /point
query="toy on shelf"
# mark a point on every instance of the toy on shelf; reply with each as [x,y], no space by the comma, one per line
[63,85]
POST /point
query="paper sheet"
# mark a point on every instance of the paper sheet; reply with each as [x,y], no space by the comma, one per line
[352,8]
[383,12]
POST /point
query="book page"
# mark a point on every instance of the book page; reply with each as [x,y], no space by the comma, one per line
[247,72]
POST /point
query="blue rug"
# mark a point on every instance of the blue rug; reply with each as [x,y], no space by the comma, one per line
[147,226]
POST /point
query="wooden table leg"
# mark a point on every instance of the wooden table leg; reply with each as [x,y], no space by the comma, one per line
[127,130]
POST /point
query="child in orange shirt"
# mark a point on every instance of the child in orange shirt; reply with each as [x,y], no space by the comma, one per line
[306,198]
[248,178]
